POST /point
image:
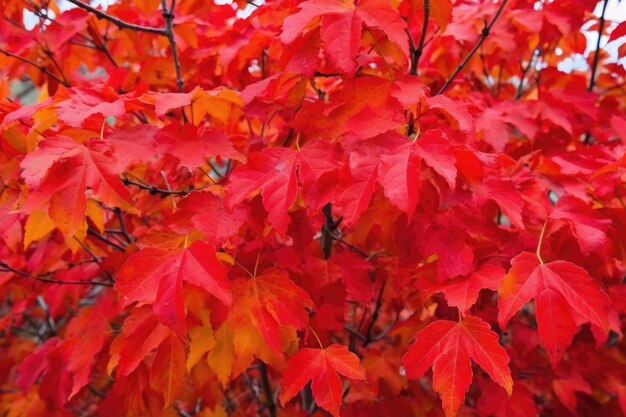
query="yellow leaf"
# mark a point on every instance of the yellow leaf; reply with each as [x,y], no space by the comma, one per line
[37,226]
[202,341]
[221,357]
[225,258]
[95,213]
[218,411]
[223,105]
[43,119]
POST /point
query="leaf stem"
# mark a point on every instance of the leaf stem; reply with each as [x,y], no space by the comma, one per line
[543,231]
[379,51]
[316,337]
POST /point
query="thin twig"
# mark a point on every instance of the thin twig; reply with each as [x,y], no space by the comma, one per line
[50,54]
[267,388]
[483,36]
[117,21]
[88,250]
[39,67]
[253,390]
[155,190]
[103,239]
[594,66]
[43,278]
[596,58]
[168,15]
[354,332]
[375,314]
[352,247]
[417,52]
[531,63]
[123,229]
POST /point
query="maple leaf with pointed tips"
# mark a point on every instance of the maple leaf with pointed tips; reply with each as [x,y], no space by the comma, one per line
[399,172]
[141,334]
[202,209]
[565,297]
[276,171]
[341,24]
[503,193]
[61,170]
[462,292]
[191,146]
[588,226]
[447,347]
[321,366]
[155,275]
[357,183]
[167,374]
[269,301]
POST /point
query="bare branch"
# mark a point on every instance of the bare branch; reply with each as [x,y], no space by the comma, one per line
[103,239]
[375,315]
[416,53]
[44,278]
[168,15]
[117,21]
[531,63]
[596,58]
[39,67]
[155,190]
[267,388]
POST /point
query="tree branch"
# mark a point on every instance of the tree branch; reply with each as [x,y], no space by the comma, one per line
[596,58]
[155,190]
[168,15]
[483,36]
[594,66]
[267,388]
[43,278]
[116,21]
[123,229]
[375,314]
[104,239]
[531,63]
[417,52]
[39,67]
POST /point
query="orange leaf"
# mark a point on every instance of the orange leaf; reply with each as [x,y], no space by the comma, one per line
[268,302]
[61,170]
[167,374]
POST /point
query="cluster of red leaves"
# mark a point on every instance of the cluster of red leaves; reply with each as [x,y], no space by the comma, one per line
[301,207]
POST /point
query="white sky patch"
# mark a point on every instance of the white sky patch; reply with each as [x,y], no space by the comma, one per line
[614,15]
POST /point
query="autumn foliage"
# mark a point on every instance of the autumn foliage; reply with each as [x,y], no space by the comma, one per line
[306,208]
